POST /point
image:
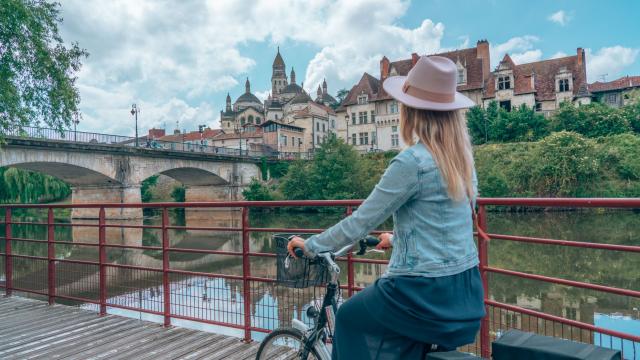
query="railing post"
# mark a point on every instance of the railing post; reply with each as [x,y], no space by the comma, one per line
[165,268]
[246,272]
[350,274]
[51,256]
[8,260]
[102,260]
[483,255]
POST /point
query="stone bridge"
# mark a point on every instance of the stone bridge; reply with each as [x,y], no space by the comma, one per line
[100,173]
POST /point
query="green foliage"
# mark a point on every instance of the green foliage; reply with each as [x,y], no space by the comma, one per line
[146,188]
[564,161]
[591,120]
[264,170]
[336,172]
[258,191]
[37,70]
[341,95]
[278,169]
[498,125]
[21,186]
[178,193]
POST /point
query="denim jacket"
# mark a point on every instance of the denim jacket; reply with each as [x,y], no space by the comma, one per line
[433,234]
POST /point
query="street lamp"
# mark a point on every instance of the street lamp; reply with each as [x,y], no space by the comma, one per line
[76,121]
[346,120]
[201,131]
[134,112]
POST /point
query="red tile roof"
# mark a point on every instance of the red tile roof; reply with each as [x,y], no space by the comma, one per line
[544,76]
[368,85]
[193,135]
[624,82]
[469,58]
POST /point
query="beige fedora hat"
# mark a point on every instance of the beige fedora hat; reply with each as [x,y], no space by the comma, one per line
[430,85]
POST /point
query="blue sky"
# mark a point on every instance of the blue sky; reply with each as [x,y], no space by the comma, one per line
[177,60]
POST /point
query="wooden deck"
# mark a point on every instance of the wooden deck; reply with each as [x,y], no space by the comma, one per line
[31,329]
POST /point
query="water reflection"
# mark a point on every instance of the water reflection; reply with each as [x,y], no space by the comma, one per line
[220,300]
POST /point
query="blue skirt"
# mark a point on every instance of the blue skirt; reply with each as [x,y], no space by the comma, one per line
[400,317]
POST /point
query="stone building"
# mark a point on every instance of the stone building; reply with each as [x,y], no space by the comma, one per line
[247,109]
[356,116]
[614,93]
[369,117]
[286,138]
[288,104]
[541,85]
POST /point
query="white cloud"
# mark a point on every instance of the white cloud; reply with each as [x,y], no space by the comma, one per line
[559,54]
[174,56]
[609,62]
[527,56]
[262,95]
[519,48]
[560,17]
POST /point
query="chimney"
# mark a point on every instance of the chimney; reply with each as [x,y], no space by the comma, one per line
[156,133]
[384,68]
[582,64]
[482,51]
[414,58]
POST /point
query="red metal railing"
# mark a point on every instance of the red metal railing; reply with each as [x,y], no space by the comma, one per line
[239,313]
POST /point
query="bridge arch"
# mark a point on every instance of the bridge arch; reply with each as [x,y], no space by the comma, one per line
[191,176]
[73,175]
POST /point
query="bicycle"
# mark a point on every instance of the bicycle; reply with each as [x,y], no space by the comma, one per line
[300,341]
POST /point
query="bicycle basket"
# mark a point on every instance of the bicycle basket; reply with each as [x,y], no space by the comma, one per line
[297,273]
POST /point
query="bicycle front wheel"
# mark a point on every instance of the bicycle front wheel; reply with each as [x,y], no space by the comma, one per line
[285,343]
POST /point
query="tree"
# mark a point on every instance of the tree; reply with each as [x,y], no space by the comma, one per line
[37,71]
[498,125]
[257,191]
[477,123]
[341,95]
[590,120]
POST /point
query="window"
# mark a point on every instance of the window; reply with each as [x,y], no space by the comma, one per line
[366,138]
[373,138]
[250,119]
[258,120]
[504,82]
[323,127]
[393,107]
[394,140]
[276,116]
[373,116]
[293,141]
[394,128]
[506,105]
[563,85]
[362,99]
[461,75]
[333,123]
[538,106]
[364,113]
[612,99]
[360,117]
[353,139]
[353,118]
[242,120]
[318,139]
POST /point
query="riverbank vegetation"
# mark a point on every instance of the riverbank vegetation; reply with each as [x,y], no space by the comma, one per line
[562,164]
[27,187]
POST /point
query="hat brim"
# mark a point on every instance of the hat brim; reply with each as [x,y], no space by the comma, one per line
[393,87]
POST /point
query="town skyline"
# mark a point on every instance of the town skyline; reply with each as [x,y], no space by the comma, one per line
[188,83]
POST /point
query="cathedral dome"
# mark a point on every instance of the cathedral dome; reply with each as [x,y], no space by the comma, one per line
[301,98]
[248,98]
[292,89]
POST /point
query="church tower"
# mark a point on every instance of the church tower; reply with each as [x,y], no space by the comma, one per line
[228,107]
[279,75]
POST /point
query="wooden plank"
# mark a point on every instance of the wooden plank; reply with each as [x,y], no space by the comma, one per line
[193,346]
[209,348]
[31,329]
[86,340]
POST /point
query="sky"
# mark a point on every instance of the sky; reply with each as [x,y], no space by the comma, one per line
[177,60]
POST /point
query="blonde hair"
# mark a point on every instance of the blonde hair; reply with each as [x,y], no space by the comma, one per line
[446,136]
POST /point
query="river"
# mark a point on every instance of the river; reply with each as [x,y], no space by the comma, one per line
[221,300]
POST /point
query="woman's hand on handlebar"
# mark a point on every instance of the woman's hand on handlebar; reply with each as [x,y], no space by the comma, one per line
[295,242]
[385,241]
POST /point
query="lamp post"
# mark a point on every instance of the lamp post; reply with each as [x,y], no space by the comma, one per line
[238,130]
[134,112]
[346,120]
[76,121]
[201,131]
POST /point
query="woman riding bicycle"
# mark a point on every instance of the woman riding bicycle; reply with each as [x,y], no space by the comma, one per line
[431,295]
